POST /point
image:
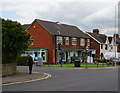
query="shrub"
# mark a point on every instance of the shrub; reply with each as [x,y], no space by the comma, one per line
[22,61]
[77,59]
[101,61]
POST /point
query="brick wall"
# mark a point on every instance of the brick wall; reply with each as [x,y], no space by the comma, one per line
[96,46]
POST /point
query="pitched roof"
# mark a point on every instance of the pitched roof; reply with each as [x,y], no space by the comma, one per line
[25,26]
[100,37]
[62,29]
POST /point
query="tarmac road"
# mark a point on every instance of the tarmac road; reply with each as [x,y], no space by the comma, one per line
[70,79]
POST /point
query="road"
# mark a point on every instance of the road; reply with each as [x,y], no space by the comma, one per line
[70,79]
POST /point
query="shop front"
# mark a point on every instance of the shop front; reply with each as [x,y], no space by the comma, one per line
[70,54]
[38,53]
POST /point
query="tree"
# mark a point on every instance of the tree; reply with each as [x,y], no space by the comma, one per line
[14,40]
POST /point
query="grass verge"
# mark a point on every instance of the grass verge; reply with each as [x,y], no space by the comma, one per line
[81,65]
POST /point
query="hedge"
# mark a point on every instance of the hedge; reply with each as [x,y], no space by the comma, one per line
[22,61]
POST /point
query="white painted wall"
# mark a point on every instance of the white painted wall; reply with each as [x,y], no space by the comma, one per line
[109,50]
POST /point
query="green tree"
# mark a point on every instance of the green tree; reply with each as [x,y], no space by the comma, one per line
[14,40]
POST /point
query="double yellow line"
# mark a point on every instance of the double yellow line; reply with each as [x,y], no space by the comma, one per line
[45,74]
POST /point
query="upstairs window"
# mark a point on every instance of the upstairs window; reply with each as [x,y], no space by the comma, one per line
[88,42]
[101,46]
[82,42]
[59,39]
[66,40]
[106,47]
[74,41]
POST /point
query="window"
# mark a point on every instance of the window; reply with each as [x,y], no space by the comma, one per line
[59,39]
[82,42]
[88,42]
[106,47]
[101,46]
[74,41]
[66,40]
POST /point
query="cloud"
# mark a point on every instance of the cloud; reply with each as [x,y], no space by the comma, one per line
[85,15]
[102,16]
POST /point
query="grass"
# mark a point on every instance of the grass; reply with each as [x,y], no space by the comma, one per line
[72,65]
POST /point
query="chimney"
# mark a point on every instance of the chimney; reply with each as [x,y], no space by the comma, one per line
[96,31]
[116,35]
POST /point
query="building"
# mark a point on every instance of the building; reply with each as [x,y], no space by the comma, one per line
[104,45]
[46,35]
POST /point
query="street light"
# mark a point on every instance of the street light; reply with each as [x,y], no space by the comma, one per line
[115,32]
[86,48]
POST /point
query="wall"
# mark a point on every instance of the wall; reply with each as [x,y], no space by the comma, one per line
[8,69]
[95,45]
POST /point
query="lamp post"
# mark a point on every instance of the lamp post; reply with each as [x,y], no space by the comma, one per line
[115,32]
[86,55]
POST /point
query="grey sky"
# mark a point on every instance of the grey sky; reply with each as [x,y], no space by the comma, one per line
[85,15]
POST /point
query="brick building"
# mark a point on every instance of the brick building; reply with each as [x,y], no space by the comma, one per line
[46,35]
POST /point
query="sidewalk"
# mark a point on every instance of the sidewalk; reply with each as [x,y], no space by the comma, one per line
[24,77]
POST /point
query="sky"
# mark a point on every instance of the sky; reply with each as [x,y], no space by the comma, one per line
[85,14]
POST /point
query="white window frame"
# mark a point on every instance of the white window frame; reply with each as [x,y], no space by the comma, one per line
[74,41]
[66,40]
[82,43]
[88,42]
[59,39]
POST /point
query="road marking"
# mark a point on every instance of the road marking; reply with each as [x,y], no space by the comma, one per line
[45,74]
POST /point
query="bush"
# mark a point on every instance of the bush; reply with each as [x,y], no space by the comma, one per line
[22,61]
[77,59]
[101,61]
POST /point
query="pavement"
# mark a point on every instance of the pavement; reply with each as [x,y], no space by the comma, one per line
[23,77]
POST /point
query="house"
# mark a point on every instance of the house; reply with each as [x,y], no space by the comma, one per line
[46,36]
[104,45]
